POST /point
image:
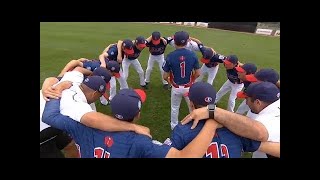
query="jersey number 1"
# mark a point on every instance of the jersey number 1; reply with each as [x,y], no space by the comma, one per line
[183,69]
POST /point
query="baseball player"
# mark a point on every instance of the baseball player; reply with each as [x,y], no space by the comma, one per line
[246,69]
[224,144]
[263,99]
[266,74]
[137,46]
[192,44]
[179,66]
[157,46]
[125,107]
[87,64]
[233,83]
[108,55]
[210,65]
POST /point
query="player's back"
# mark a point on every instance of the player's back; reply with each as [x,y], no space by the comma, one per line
[94,143]
[224,144]
[182,62]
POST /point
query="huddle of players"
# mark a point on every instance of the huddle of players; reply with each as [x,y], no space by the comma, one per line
[129,55]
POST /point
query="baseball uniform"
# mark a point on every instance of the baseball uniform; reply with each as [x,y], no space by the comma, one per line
[133,60]
[180,63]
[156,49]
[233,84]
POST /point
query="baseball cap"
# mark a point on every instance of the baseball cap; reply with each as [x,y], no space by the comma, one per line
[127,103]
[248,68]
[232,59]
[202,93]
[141,42]
[267,74]
[156,37]
[101,71]
[181,38]
[114,67]
[206,55]
[264,91]
[95,83]
[128,46]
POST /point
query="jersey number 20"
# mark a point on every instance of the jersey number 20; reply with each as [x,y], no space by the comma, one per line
[183,69]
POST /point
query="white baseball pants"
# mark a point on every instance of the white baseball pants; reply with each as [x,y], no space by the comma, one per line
[152,59]
[212,72]
[137,66]
[243,108]
[176,97]
[226,87]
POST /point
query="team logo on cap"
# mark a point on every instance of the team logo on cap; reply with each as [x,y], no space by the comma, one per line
[86,80]
[113,68]
[119,116]
[208,99]
[278,95]
[139,105]
[112,53]
[101,88]
[89,68]
[183,41]
[102,77]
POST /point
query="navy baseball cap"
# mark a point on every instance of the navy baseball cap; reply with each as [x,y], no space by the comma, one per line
[232,59]
[103,72]
[156,37]
[128,46]
[264,91]
[141,42]
[202,93]
[95,83]
[126,104]
[248,68]
[269,75]
[181,38]
[207,55]
[114,67]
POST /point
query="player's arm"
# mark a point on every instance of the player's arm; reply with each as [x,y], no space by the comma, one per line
[71,65]
[238,124]
[104,55]
[149,39]
[119,47]
[84,71]
[48,91]
[271,148]
[163,40]
[196,68]
[195,40]
[166,68]
[199,145]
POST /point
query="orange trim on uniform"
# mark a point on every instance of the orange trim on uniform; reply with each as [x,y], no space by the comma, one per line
[142,94]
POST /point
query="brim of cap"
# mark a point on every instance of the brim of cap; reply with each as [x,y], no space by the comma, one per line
[203,60]
[156,42]
[142,94]
[242,95]
[240,69]
[128,51]
[227,62]
[141,45]
[251,78]
[117,75]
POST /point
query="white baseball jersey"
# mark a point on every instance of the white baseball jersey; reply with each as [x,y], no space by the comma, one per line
[76,78]
[191,45]
[270,118]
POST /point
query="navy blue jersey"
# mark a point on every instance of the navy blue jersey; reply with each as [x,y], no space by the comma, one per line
[180,64]
[100,144]
[156,49]
[91,65]
[136,53]
[113,52]
[232,75]
[217,58]
[224,144]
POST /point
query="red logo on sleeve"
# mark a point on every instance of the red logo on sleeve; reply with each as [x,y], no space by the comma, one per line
[108,141]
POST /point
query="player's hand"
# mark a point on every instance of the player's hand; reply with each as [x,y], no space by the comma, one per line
[196,115]
[50,92]
[103,65]
[142,130]
[164,41]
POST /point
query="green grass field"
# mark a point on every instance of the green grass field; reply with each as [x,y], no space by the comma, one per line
[61,42]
